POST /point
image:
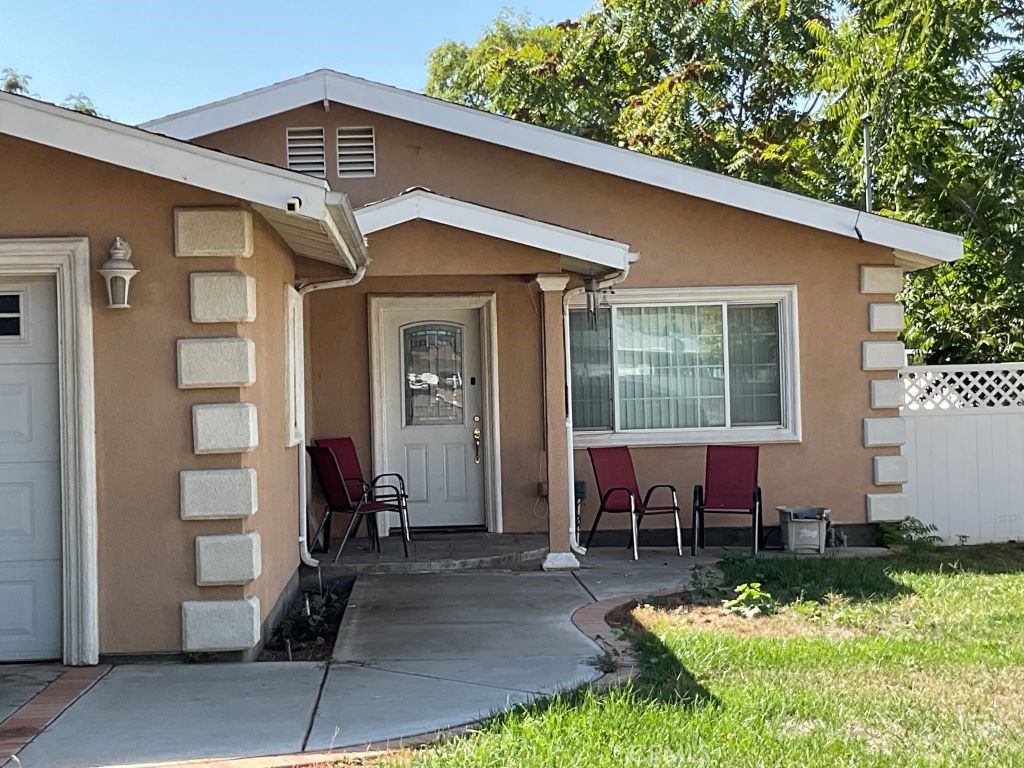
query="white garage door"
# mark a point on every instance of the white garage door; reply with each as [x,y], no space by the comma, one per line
[30,519]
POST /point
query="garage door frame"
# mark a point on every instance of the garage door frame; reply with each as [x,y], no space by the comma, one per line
[67,259]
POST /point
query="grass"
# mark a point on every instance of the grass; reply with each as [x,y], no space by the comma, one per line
[911,660]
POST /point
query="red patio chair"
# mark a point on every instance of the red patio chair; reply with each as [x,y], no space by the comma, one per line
[344,450]
[730,487]
[339,499]
[619,492]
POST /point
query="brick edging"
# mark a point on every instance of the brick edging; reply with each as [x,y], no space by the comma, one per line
[46,706]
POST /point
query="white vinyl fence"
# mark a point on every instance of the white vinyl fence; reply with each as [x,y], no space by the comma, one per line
[965,449]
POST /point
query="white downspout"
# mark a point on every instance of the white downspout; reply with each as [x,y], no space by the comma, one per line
[304,554]
[614,279]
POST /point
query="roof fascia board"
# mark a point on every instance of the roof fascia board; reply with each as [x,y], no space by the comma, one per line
[264,186]
[454,118]
[160,156]
[492,223]
[646,169]
[243,108]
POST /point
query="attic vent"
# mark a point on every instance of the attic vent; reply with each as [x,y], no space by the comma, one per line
[357,156]
[306,153]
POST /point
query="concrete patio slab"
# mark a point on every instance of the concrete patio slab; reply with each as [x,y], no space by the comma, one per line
[429,652]
[436,553]
[415,654]
[611,572]
[361,705]
[542,675]
[143,713]
[458,616]
[20,682]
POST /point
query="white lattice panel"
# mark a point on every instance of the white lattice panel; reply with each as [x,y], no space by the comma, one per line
[963,387]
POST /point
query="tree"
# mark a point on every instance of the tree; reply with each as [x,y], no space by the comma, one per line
[774,91]
[12,81]
[722,85]
[945,81]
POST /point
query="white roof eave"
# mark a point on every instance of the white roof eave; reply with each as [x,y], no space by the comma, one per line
[267,188]
[576,248]
[931,245]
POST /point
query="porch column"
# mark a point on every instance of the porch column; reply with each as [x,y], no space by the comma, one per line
[560,555]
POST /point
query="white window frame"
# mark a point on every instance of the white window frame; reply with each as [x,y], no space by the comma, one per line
[294,361]
[785,296]
[21,315]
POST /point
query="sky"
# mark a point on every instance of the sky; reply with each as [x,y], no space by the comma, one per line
[142,59]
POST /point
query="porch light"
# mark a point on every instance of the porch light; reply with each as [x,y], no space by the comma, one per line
[118,272]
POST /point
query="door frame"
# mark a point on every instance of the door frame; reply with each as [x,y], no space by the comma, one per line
[67,260]
[486,303]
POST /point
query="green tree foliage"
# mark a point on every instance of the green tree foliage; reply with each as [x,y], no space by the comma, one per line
[12,81]
[773,91]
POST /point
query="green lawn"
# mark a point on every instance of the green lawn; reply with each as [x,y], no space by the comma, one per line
[910,660]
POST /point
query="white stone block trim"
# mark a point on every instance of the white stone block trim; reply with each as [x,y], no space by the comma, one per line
[890,470]
[884,431]
[211,363]
[223,297]
[880,279]
[886,506]
[218,494]
[887,393]
[224,428]
[220,625]
[233,558]
[213,232]
[883,318]
[882,355]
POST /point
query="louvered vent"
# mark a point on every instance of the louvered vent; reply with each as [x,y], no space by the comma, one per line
[357,156]
[306,152]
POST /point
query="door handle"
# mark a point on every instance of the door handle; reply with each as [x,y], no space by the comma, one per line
[476,440]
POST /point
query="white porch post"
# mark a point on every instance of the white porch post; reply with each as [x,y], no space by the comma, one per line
[560,554]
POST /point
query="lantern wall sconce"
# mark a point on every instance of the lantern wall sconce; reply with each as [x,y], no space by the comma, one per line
[118,272]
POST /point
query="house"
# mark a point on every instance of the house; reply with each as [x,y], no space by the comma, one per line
[331,256]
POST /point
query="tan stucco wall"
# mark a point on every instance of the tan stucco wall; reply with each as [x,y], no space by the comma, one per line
[339,349]
[143,421]
[683,242]
[276,465]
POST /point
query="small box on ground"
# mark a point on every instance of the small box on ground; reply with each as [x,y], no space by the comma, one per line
[804,528]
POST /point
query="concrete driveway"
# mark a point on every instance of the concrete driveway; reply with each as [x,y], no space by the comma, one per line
[416,653]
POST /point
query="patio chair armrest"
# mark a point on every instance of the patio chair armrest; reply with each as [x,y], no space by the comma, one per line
[698,496]
[653,488]
[607,495]
[394,490]
[401,480]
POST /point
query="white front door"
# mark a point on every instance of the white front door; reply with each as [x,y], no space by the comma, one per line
[433,385]
[30,487]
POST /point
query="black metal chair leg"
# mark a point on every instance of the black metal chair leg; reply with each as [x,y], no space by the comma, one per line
[352,525]
[693,534]
[593,528]
[404,534]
